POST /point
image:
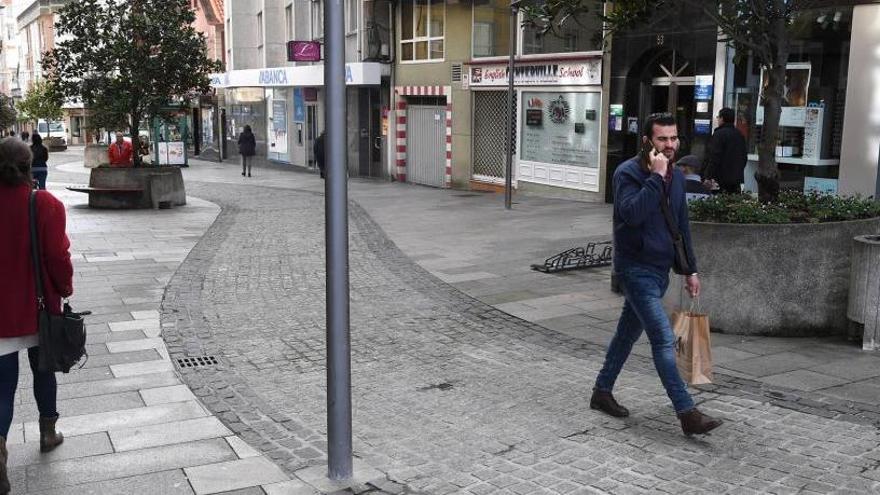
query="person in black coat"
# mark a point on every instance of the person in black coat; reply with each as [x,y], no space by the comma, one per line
[319,153]
[40,163]
[247,146]
[727,154]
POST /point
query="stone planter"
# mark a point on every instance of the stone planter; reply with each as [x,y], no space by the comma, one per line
[159,186]
[782,280]
[864,291]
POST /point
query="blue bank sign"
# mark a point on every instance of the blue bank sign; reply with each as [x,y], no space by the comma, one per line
[273,77]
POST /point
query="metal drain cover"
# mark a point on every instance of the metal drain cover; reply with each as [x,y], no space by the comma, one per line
[197,362]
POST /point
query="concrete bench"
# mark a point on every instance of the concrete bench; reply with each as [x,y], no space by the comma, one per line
[131,188]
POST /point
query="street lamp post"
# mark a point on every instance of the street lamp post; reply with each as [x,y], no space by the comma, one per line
[511,107]
[336,206]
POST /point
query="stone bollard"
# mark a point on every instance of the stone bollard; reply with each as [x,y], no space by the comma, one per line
[863,307]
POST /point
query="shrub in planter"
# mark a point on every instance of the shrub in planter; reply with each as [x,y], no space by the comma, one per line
[791,207]
[779,268]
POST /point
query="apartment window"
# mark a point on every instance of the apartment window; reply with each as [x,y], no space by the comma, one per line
[580,34]
[491,28]
[289,25]
[351,16]
[422,28]
[317,19]
[260,40]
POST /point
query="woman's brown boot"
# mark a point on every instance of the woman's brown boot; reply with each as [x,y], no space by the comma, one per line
[49,438]
[4,476]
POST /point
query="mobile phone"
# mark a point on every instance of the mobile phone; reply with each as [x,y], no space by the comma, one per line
[647,148]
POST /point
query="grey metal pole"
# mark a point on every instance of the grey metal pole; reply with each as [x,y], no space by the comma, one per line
[336,206]
[511,118]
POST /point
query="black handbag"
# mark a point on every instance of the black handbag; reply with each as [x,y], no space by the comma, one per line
[681,263]
[62,338]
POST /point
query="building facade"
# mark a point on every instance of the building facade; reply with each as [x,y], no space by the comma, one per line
[282,101]
[559,117]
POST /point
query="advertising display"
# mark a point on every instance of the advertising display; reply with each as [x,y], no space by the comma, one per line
[585,72]
[794,96]
[561,128]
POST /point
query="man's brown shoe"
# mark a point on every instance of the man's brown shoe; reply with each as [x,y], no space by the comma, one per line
[694,422]
[604,401]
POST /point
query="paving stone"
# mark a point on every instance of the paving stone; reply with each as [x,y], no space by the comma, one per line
[171,482]
[83,405]
[165,395]
[232,475]
[241,448]
[168,433]
[127,464]
[291,487]
[141,368]
[72,448]
[142,416]
[804,380]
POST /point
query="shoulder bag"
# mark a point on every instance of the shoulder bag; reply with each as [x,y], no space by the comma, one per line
[681,263]
[62,338]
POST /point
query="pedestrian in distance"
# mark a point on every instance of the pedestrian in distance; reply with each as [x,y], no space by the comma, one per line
[11,133]
[728,153]
[18,306]
[319,153]
[25,136]
[247,147]
[40,163]
[690,166]
[120,152]
[643,256]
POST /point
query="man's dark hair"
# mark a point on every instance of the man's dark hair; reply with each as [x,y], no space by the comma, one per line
[661,119]
[15,162]
[727,115]
[25,135]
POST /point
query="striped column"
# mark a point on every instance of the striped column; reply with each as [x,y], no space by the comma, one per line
[401,140]
[448,144]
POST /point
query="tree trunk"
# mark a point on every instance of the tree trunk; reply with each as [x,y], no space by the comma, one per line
[767,175]
[135,139]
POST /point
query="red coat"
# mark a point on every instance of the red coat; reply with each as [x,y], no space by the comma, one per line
[18,304]
[119,157]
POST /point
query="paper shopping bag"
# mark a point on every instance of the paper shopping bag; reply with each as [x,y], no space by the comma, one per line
[693,350]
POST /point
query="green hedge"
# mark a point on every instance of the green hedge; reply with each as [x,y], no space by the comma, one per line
[791,207]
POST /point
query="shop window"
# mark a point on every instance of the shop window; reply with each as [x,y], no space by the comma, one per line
[581,33]
[422,30]
[491,28]
[560,128]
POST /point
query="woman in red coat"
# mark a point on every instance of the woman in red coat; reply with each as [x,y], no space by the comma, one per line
[18,305]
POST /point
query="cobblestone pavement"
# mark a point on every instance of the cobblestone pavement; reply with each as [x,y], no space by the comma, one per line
[453,395]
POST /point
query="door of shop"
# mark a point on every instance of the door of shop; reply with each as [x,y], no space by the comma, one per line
[673,92]
[490,144]
[426,144]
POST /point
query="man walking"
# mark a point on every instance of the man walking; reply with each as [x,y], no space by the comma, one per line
[728,153]
[643,255]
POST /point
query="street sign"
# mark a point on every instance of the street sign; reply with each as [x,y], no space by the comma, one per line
[303,51]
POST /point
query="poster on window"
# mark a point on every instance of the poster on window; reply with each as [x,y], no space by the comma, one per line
[794,95]
[567,132]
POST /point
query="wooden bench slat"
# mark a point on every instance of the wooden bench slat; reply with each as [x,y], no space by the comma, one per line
[103,190]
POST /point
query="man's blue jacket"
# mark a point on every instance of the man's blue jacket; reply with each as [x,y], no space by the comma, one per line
[641,236]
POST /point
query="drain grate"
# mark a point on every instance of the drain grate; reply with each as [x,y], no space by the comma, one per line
[197,362]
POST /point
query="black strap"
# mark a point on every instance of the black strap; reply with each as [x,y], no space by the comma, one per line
[671,224]
[35,250]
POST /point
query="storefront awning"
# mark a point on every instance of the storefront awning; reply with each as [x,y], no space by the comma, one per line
[356,74]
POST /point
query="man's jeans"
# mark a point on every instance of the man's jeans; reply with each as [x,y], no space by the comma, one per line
[643,310]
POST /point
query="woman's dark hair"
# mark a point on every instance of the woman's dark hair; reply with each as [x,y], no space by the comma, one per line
[15,162]
[37,139]
[662,119]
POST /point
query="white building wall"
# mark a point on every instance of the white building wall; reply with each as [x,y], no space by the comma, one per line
[860,149]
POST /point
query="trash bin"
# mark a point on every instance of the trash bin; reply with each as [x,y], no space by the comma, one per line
[863,308]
